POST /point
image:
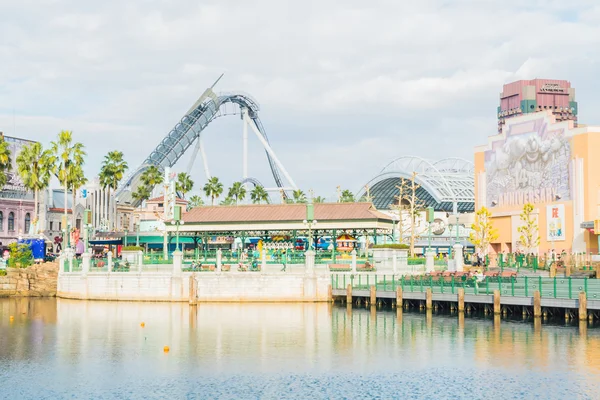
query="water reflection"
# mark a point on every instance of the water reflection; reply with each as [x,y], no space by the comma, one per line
[64,341]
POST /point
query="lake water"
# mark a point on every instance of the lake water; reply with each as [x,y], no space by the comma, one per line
[55,349]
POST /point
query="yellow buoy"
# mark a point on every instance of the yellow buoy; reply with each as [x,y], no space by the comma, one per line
[142,324]
[166,349]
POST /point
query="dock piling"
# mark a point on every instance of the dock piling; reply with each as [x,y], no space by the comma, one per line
[582,306]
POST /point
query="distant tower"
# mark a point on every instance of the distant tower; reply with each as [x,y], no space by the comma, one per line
[524,97]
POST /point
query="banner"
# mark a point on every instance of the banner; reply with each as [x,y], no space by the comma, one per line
[555,222]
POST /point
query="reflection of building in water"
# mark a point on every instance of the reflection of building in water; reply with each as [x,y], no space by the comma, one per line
[541,158]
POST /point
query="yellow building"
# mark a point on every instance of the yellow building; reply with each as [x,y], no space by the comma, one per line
[553,165]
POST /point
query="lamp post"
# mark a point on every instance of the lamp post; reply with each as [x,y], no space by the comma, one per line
[310,224]
[137,231]
[177,221]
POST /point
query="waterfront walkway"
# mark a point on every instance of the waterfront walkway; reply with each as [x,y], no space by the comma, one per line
[497,294]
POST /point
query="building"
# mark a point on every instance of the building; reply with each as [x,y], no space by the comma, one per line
[16,202]
[548,161]
[446,185]
[526,97]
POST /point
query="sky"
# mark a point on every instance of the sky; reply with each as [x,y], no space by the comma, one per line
[345,87]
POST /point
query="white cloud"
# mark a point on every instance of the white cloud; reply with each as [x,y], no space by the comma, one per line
[342,85]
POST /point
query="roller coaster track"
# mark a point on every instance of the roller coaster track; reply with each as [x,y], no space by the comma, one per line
[206,109]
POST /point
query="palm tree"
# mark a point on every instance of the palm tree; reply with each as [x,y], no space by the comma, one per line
[227,201]
[299,196]
[5,163]
[195,201]
[111,173]
[184,183]
[70,157]
[237,191]
[259,194]
[319,199]
[213,189]
[347,197]
[141,193]
[76,180]
[152,177]
[35,166]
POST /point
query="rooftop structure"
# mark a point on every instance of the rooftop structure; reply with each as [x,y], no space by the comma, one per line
[442,183]
[530,96]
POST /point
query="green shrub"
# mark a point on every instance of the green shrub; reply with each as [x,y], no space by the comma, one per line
[2,272]
[395,246]
[20,256]
[132,248]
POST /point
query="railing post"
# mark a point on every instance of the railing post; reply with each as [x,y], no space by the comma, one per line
[220,261]
[526,287]
[353,254]
[570,289]
[540,285]
[554,287]
[140,261]
[85,263]
[263,262]
[177,262]
[512,286]
[452,283]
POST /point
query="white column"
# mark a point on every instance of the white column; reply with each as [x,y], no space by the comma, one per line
[219,261]
[85,262]
[70,254]
[110,261]
[353,254]
[140,261]
[165,246]
[177,262]
[458,257]
[309,262]
[244,145]
[263,263]
[429,263]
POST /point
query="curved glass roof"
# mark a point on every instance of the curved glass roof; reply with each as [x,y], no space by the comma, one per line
[442,183]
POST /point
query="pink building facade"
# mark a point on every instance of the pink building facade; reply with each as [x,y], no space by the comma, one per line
[530,96]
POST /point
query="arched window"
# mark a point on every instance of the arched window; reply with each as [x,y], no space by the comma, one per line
[11,221]
[27,222]
[1,221]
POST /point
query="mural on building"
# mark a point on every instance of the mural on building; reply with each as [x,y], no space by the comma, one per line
[530,165]
[555,222]
[14,183]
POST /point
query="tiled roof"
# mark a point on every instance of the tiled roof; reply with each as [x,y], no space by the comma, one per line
[60,210]
[162,198]
[283,212]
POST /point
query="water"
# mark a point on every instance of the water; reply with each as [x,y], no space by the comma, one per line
[55,349]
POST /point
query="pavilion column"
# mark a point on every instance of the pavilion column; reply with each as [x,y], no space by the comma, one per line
[334,238]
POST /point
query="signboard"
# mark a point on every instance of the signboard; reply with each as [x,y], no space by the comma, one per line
[529,165]
[555,222]
[14,184]
[438,226]
[552,88]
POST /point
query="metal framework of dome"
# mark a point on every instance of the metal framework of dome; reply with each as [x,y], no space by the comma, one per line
[447,184]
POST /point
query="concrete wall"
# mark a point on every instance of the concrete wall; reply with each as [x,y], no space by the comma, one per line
[225,287]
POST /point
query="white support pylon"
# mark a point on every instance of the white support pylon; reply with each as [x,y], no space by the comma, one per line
[270,151]
[244,145]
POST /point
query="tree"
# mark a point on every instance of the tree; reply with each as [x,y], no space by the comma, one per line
[5,163]
[35,167]
[530,238]
[141,193]
[184,183]
[111,173]
[227,201]
[76,180]
[409,208]
[347,197]
[258,195]
[70,157]
[299,196]
[152,176]
[319,199]
[483,232]
[195,201]
[237,191]
[213,189]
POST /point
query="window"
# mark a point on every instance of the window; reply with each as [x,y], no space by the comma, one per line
[78,223]
[11,221]
[27,222]
[1,221]
[51,225]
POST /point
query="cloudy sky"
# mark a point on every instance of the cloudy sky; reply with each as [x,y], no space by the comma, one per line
[344,86]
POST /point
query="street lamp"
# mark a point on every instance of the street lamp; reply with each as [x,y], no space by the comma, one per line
[177,221]
[310,224]
[137,231]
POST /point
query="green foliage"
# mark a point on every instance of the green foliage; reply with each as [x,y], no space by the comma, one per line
[395,246]
[195,201]
[227,201]
[141,193]
[5,164]
[529,231]
[258,195]
[319,199]
[299,197]
[184,183]
[113,169]
[132,248]
[213,189]
[347,197]
[237,191]
[20,256]
[35,167]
